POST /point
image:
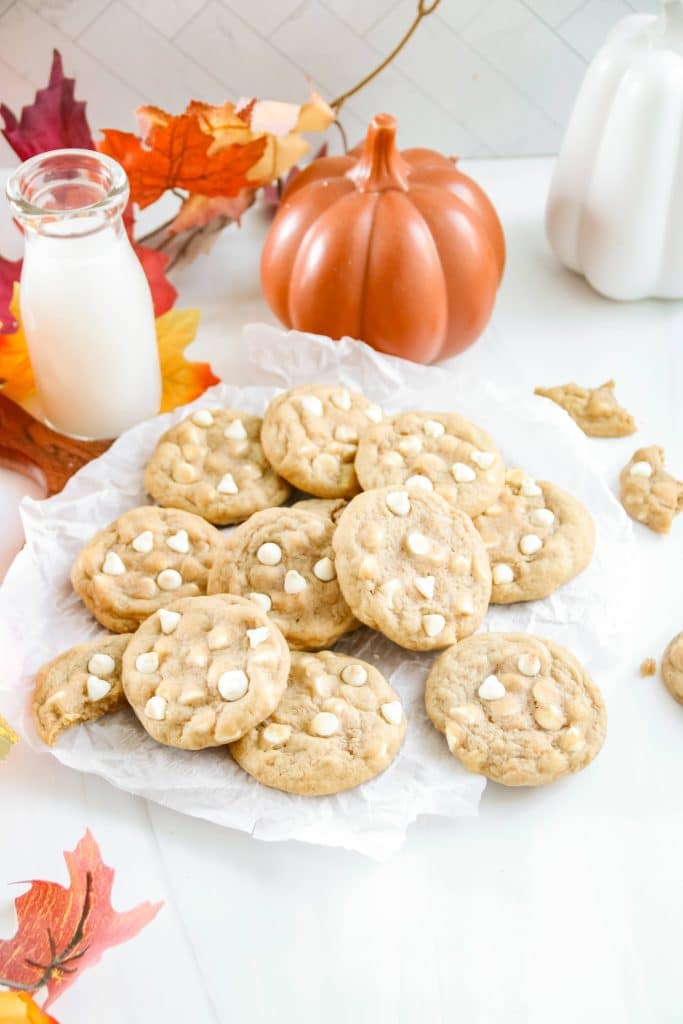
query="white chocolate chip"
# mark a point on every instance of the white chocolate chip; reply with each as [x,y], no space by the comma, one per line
[169,579]
[144,542]
[398,503]
[342,399]
[184,472]
[392,712]
[312,405]
[269,553]
[346,434]
[417,543]
[529,488]
[326,464]
[147,662]
[464,604]
[392,459]
[258,635]
[542,516]
[420,480]
[571,739]
[324,724]
[233,684]
[155,708]
[218,638]
[101,664]
[168,620]
[462,473]
[262,600]
[203,418]
[410,445]
[641,468]
[97,688]
[227,485]
[294,582]
[235,431]
[491,689]
[112,565]
[374,413]
[502,573]
[179,542]
[389,590]
[549,716]
[354,675]
[433,624]
[324,570]
[530,544]
[529,664]
[482,459]
[433,428]
[275,734]
[425,586]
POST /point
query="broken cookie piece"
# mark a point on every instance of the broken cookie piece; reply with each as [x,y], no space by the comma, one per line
[648,493]
[595,410]
[648,667]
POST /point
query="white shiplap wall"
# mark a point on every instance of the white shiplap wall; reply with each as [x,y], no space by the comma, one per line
[481,77]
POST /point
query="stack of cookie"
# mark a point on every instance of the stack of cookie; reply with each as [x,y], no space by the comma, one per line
[414,526]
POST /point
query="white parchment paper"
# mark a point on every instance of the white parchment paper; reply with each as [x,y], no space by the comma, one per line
[41,616]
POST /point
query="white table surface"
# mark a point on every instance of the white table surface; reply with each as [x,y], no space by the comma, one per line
[556,905]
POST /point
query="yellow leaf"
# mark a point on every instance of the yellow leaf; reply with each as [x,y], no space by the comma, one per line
[16,375]
[182,381]
[8,738]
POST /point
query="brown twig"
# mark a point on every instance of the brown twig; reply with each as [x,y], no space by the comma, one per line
[424,9]
[340,128]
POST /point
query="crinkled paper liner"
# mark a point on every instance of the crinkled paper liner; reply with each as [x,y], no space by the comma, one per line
[41,616]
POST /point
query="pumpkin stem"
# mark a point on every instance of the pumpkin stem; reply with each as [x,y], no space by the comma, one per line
[380,165]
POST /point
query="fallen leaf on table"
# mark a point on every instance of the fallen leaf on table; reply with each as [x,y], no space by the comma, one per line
[55,119]
[19,1008]
[62,931]
[10,271]
[8,738]
[182,381]
[175,154]
[16,374]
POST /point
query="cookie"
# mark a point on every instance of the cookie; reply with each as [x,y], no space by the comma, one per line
[518,709]
[440,452]
[142,560]
[595,410]
[203,671]
[79,685]
[283,560]
[648,493]
[212,464]
[412,566]
[537,537]
[310,435]
[672,668]
[339,724]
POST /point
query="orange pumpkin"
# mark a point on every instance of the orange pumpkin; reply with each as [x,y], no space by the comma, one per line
[398,249]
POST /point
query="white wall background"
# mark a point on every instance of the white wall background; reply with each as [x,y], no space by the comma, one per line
[480,77]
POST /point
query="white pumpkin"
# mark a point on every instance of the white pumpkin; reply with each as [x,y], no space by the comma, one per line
[615,209]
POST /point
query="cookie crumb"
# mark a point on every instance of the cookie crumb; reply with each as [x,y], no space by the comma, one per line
[595,410]
[648,667]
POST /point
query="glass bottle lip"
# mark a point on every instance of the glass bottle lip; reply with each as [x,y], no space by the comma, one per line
[34,187]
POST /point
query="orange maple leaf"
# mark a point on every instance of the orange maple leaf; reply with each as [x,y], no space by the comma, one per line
[182,381]
[20,1008]
[175,154]
[64,931]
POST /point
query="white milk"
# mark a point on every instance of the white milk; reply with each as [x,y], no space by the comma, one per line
[87,312]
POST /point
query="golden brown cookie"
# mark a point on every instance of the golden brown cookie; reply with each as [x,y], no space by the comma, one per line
[412,566]
[595,410]
[142,560]
[310,435]
[339,724]
[440,452]
[648,493]
[203,671]
[537,537]
[212,464]
[518,709]
[79,685]
[672,668]
[283,560]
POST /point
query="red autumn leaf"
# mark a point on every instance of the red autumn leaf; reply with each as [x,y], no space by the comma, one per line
[10,271]
[55,119]
[175,155]
[63,931]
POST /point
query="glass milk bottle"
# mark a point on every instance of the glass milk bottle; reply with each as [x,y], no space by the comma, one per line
[86,307]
